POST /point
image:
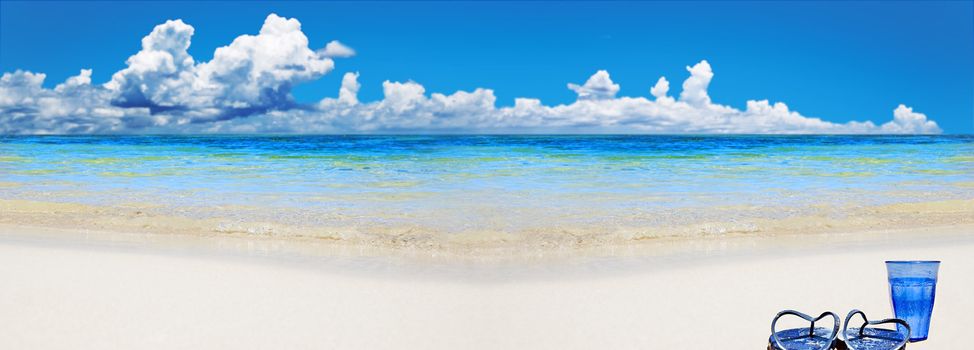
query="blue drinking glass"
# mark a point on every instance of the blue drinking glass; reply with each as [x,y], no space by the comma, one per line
[913,286]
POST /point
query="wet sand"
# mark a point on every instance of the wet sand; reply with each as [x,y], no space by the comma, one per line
[545,237]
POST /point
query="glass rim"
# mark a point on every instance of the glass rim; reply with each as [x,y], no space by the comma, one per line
[912,261]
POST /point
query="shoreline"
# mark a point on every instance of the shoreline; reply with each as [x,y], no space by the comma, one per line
[141,225]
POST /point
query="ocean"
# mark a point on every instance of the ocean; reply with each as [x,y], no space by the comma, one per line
[504,183]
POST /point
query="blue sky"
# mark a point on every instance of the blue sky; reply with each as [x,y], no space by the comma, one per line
[838,61]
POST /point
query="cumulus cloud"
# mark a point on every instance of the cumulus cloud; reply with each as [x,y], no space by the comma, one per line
[660,89]
[19,88]
[695,87]
[407,108]
[247,85]
[336,49]
[348,94]
[254,74]
[159,75]
[905,121]
[74,106]
[597,87]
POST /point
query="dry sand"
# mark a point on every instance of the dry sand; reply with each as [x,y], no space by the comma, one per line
[74,290]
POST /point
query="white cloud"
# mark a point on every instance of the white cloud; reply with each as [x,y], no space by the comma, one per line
[74,106]
[336,49]
[406,108]
[82,79]
[162,73]
[258,72]
[597,87]
[906,121]
[246,88]
[695,87]
[661,88]
[348,94]
[254,74]
[19,88]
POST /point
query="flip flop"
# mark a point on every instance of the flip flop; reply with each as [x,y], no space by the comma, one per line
[809,338]
[864,338]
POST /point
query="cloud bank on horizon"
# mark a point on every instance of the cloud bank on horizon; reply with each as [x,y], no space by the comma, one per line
[246,88]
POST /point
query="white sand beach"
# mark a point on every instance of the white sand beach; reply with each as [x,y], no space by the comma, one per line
[96,293]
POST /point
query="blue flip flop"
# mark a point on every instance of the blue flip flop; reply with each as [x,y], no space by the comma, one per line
[809,338]
[867,338]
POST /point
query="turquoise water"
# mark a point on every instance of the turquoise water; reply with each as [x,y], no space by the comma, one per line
[470,181]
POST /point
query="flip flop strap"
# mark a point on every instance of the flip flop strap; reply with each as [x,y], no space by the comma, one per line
[811,328]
